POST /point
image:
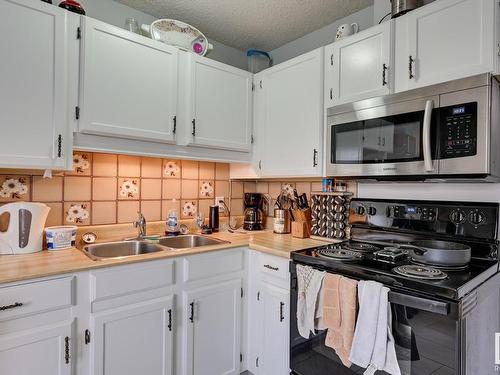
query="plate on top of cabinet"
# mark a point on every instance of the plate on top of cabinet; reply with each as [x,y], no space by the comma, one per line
[180,34]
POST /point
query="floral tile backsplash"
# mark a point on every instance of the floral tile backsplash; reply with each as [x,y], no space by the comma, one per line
[110,189]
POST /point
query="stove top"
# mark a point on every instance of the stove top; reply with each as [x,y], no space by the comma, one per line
[398,270]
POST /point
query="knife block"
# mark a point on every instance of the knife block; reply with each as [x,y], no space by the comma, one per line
[301,227]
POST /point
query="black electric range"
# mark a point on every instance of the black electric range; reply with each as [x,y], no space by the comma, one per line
[440,303]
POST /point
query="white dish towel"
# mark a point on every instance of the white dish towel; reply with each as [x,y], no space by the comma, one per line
[373,344]
[309,300]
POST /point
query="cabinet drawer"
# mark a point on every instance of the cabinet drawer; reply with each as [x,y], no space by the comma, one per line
[273,266]
[31,298]
[218,263]
[130,279]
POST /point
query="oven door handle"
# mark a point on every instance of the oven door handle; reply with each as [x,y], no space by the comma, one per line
[426,141]
[419,303]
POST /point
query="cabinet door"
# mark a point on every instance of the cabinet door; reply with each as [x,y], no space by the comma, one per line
[33,89]
[128,84]
[220,105]
[361,66]
[134,339]
[274,358]
[292,126]
[445,40]
[41,351]
[213,325]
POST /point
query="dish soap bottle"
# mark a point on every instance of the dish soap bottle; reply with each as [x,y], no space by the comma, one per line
[172,223]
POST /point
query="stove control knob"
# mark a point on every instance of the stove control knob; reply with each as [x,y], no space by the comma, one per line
[372,211]
[457,216]
[360,210]
[477,217]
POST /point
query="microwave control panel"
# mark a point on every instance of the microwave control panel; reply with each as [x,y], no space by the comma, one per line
[458,131]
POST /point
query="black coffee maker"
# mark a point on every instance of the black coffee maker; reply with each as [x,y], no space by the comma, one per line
[254,217]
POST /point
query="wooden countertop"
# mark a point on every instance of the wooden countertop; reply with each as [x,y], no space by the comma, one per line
[49,263]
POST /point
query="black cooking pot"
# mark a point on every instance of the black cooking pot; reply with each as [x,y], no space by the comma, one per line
[440,253]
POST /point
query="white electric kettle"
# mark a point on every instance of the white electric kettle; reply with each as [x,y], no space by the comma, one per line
[24,233]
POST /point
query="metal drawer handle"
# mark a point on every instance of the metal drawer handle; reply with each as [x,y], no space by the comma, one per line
[271,267]
[282,317]
[13,306]
[191,316]
[170,320]
[66,349]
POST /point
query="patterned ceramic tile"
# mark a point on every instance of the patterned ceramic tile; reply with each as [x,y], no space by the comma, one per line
[172,169]
[47,189]
[77,188]
[189,208]
[104,165]
[82,164]
[103,213]
[77,213]
[128,188]
[14,188]
[206,189]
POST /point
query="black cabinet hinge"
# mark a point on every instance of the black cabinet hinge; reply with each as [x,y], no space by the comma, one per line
[252,140]
[241,292]
[59,145]
[77,113]
[87,337]
[78,33]
[258,296]
[241,357]
[193,133]
[175,125]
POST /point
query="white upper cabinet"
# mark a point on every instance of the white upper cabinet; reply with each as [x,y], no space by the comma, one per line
[445,40]
[128,84]
[34,85]
[359,66]
[290,130]
[212,329]
[218,104]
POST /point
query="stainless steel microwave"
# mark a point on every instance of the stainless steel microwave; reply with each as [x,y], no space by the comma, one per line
[449,131]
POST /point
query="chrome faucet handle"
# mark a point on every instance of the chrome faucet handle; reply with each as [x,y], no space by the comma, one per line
[141,224]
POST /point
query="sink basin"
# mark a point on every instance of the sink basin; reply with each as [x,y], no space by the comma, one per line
[189,241]
[121,249]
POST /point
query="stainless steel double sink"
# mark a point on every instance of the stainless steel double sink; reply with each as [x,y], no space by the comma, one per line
[120,249]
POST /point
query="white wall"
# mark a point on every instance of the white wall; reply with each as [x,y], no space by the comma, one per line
[115,13]
[321,37]
[472,192]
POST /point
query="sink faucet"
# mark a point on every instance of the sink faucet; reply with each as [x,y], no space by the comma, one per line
[141,225]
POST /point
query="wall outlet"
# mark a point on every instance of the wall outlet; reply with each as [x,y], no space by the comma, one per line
[221,206]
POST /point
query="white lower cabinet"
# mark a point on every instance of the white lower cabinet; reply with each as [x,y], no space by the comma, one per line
[43,351]
[212,335]
[135,339]
[269,320]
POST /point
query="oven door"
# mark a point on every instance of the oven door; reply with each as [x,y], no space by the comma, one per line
[382,141]
[426,333]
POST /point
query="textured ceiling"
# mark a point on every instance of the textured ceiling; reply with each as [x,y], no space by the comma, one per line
[243,24]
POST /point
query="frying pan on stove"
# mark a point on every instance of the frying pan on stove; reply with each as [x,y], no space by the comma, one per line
[439,253]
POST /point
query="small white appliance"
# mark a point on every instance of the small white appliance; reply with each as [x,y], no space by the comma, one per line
[24,233]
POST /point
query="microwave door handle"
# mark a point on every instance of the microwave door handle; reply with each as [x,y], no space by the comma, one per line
[429,106]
